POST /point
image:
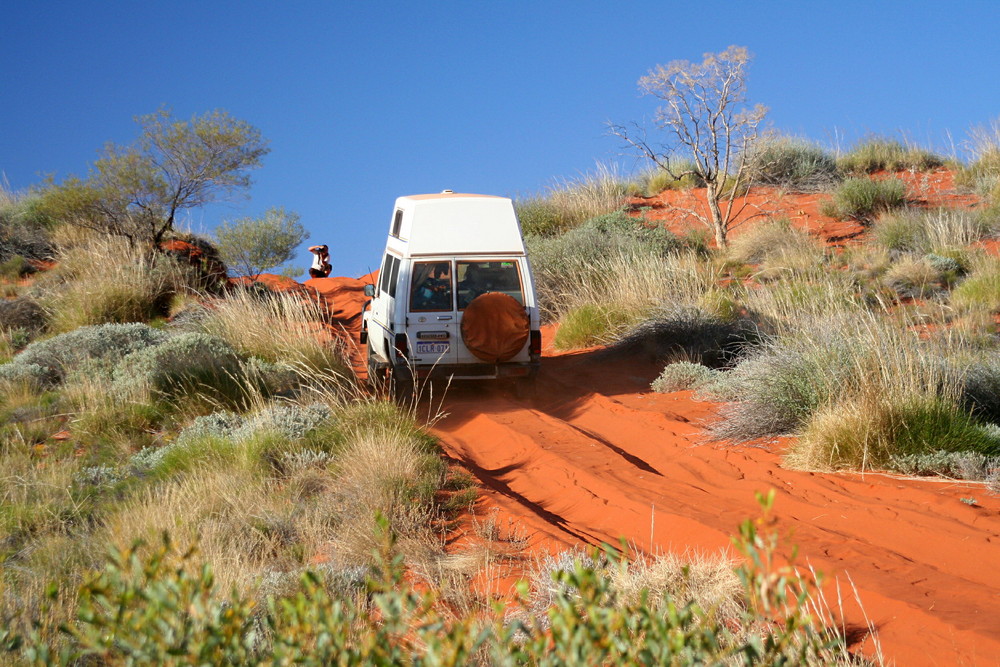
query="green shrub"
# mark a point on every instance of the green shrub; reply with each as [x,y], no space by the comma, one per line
[162,607]
[872,433]
[619,225]
[106,344]
[25,228]
[251,246]
[793,164]
[682,375]
[981,288]
[571,203]
[931,231]
[958,465]
[863,197]
[15,268]
[591,324]
[224,435]
[188,362]
[882,154]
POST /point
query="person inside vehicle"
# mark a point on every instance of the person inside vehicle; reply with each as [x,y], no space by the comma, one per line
[432,286]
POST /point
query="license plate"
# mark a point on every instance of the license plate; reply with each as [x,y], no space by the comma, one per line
[432,348]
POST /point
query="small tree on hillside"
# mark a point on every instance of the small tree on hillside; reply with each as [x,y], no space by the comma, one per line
[136,191]
[708,122]
[250,246]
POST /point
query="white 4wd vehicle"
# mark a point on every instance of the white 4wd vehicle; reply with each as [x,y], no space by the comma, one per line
[455,296]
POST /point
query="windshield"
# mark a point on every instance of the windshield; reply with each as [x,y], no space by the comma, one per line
[475,278]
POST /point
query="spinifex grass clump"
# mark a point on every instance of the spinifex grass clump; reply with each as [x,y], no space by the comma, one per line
[883,154]
[277,327]
[864,198]
[932,231]
[983,174]
[779,250]
[793,164]
[683,375]
[108,280]
[612,294]
[875,432]
[858,390]
[680,177]
[569,204]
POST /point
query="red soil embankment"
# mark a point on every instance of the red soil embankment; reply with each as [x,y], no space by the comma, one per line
[679,210]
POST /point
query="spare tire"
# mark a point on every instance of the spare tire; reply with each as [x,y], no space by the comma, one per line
[495,327]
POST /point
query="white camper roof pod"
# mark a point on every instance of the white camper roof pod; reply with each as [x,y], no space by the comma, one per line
[455,224]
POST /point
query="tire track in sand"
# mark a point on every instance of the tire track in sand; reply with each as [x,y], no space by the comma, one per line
[595,458]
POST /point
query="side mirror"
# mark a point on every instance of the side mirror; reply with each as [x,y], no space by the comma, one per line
[369,290]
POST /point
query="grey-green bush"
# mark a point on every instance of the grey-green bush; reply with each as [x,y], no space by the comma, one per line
[683,375]
[50,360]
[186,362]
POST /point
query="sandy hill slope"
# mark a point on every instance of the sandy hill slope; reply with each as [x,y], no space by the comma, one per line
[597,457]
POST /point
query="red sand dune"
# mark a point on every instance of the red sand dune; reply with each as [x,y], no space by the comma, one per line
[670,207]
[597,457]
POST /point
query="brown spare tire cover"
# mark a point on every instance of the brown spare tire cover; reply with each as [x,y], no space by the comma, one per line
[495,327]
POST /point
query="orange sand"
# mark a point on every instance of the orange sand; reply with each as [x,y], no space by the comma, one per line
[596,457]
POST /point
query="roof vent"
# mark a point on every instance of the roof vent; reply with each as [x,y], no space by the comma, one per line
[447,192]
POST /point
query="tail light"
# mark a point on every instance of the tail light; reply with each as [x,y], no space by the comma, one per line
[535,343]
[402,348]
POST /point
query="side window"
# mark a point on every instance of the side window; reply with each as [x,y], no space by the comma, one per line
[393,275]
[475,278]
[397,223]
[387,278]
[383,276]
[430,287]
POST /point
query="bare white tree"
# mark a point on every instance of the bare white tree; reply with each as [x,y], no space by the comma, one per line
[709,125]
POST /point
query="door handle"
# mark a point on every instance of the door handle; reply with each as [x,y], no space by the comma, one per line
[443,317]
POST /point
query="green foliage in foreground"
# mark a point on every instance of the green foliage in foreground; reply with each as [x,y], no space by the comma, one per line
[162,609]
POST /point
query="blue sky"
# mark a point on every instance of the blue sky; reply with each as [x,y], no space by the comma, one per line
[366,101]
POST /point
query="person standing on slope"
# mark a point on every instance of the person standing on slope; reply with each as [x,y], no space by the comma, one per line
[321,262]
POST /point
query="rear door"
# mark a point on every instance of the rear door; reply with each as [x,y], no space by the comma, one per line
[431,318]
[479,276]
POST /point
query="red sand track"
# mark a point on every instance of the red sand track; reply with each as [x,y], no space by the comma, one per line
[596,457]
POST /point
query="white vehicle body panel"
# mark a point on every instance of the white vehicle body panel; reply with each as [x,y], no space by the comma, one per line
[444,235]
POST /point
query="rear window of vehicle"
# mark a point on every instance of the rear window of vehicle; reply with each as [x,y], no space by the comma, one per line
[431,286]
[475,278]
